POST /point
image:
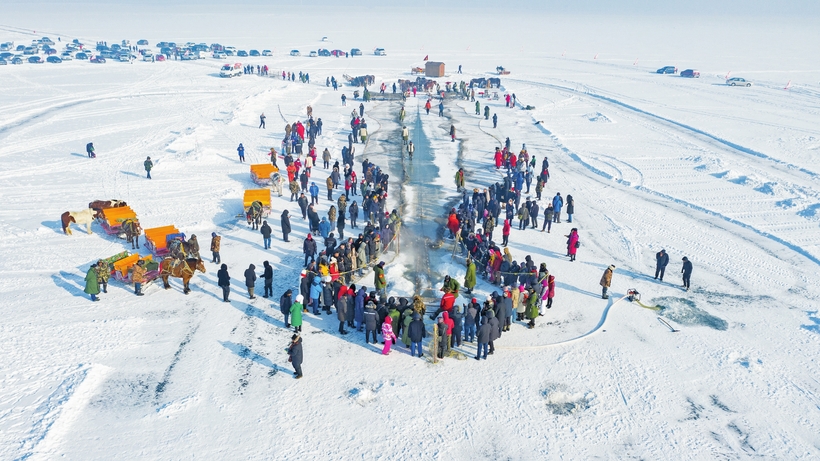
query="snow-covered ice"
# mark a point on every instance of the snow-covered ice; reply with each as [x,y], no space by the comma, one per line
[726,176]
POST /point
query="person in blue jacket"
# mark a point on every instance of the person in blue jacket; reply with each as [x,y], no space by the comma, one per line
[241,151]
[557,204]
[314,193]
[315,293]
[324,228]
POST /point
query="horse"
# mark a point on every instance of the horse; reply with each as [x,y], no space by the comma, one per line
[98,205]
[185,270]
[254,214]
[132,230]
[78,217]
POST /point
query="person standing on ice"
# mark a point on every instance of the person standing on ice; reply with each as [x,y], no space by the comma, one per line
[570,208]
[405,135]
[495,120]
[268,276]
[309,249]
[89,149]
[344,100]
[572,243]
[452,133]
[549,212]
[469,277]
[410,149]
[378,279]
[262,120]
[216,241]
[296,313]
[224,282]
[557,204]
[687,272]
[606,281]
[250,280]
[138,277]
[387,335]
[241,151]
[661,260]
[295,355]
[459,179]
[427,107]
[478,108]
[265,230]
[285,303]
[148,164]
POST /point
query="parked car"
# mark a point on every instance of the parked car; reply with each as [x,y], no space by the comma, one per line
[142,42]
[125,57]
[115,47]
[323,52]
[231,70]
[295,53]
[51,52]
[54,59]
[266,53]
[35,60]
[46,41]
[66,56]
[3,62]
[17,60]
[148,57]
[242,53]
[220,55]
[98,60]
[29,50]
[737,81]
[229,52]
[355,52]
[255,53]
[159,58]
[81,55]
[667,70]
[380,52]
[20,48]
[5,46]
[313,54]
[6,55]
[690,73]
[338,53]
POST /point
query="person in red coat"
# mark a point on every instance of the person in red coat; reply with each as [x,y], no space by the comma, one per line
[453,224]
[551,288]
[506,231]
[499,158]
[446,304]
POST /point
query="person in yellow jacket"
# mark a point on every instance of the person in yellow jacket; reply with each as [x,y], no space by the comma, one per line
[606,281]
[138,277]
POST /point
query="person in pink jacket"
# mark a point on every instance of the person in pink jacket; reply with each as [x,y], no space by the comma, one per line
[387,335]
[572,243]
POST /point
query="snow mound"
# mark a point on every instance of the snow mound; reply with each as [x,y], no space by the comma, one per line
[562,402]
[597,117]
[685,312]
[365,393]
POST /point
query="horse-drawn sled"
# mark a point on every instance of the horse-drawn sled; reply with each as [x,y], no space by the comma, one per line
[157,238]
[502,71]
[261,173]
[416,70]
[256,204]
[111,219]
[122,265]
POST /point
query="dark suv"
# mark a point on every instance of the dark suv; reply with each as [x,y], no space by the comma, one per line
[667,70]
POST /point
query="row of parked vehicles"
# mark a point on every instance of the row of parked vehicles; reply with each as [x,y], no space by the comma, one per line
[338,53]
[692,73]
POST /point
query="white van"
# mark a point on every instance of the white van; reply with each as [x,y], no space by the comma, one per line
[231,70]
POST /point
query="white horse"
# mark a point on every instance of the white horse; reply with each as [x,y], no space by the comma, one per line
[79,217]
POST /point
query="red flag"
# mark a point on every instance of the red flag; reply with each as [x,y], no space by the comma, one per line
[426,57]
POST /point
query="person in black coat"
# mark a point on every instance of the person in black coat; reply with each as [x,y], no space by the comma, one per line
[483,340]
[302,201]
[354,214]
[661,260]
[285,225]
[687,272]
[416,332]
[268,276]
[309,248]
[456,336]
[285,301]
[224,281]
[265,230]
[371,322]
[340,224]
[250,279]
[341,312]
[570,208]
[313,220]
[295,355]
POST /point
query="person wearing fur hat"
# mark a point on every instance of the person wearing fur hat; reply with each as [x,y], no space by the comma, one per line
[388,335]
[295,355]
[606,281]
[378,278]
[296,313]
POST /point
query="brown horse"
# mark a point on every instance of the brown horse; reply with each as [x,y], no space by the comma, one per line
[185,270]
[132,230]
[98,205]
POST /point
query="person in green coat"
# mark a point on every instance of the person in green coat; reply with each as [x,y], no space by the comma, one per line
[486,112]
[92,287]
[469,278]
[407,318]
[378,279]
[395,315]
[532,307]
[296,314]
[477,108]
